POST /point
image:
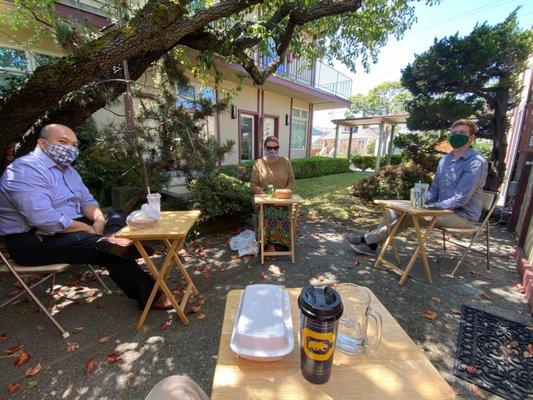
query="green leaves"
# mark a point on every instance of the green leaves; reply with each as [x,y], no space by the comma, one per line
[459,77]
[386,98]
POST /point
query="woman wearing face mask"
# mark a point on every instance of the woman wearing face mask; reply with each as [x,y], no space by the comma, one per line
[276,171]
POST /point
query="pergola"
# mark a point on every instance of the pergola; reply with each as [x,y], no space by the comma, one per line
[382,121]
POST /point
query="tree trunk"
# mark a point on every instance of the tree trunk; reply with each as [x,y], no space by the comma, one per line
[499,148]
[157,27]
[73,112]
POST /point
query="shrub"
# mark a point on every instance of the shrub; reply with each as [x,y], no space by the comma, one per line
[104,163]
[392,182]
[309,167]
[483,147]
[218,194]
[420,148]
[369,162]
[241,171]
[312,167]
[363,162]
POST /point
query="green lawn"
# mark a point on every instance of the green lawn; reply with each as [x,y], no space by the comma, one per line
[330,198]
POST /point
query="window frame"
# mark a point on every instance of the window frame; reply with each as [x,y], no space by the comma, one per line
[297,116]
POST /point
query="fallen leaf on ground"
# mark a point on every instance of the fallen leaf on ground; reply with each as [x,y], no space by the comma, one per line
[13,387]
[18,353]
[456,311]
[486,296]
[13,349]
[430,314]
[529,351]
[164,326]
[31,371]
[505,350]
[103,339]
[4,337]
[78,329]
[71,346]
[113,358]
[477,391]
[22,359]
[437,299]
[90,365]
[195,309]
[200,316]
[32,384]
[471,369]
[39,328]
[130,382]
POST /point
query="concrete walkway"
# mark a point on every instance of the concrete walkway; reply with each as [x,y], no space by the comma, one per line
[104,324]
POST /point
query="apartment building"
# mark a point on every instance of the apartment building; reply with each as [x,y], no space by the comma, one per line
[283,106]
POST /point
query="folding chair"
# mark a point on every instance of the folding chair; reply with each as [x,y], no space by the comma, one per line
[490,200]
[49,271]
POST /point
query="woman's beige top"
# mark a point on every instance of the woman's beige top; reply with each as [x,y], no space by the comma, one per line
[278,173]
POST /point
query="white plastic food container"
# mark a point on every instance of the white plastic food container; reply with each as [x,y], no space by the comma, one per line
[263,324]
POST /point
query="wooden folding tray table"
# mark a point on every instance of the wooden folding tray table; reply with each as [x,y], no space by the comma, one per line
[171,230]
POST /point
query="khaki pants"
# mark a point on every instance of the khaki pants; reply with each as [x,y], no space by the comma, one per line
[379,234]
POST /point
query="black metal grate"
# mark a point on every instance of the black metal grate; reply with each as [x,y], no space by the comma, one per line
[492,354]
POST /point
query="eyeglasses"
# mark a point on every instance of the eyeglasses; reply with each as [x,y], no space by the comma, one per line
[272,147]
[460,133]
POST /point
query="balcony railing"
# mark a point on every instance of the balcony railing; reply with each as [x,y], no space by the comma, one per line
[321,76]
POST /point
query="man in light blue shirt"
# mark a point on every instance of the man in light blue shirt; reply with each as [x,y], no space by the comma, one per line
[457,186]
[48,216]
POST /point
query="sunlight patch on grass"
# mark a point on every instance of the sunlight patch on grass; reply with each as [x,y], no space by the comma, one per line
[330,198]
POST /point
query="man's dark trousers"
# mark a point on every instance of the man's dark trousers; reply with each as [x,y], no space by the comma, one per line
[80,248]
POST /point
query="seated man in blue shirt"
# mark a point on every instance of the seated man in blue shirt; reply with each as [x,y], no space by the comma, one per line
[48,216]
[457,186]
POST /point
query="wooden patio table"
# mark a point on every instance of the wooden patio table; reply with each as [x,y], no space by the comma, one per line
[397,370]
[405,210]
[294,203]
[171,230]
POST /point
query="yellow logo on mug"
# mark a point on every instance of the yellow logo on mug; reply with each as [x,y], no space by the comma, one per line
[318,346]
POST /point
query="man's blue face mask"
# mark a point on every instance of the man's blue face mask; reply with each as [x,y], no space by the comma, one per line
[62,154]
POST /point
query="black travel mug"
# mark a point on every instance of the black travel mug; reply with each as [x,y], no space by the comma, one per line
[320,311]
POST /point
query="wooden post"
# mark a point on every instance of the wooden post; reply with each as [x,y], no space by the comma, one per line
[336,141]
[380,140]
[391,143]
[350,144]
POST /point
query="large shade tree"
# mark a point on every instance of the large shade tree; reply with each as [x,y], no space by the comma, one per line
[92,73]
[472,76]
[384,99]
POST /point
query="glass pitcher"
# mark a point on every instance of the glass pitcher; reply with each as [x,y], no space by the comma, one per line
[352,336]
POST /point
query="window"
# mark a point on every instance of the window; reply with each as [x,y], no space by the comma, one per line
[247,136]
[299,129]
[13,67]
[13,60]
[16,63]
[271,55]
[42,59]
[187,94]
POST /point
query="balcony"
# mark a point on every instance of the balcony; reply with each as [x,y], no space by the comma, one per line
[321,76]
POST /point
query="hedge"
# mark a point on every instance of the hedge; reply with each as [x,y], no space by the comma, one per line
[309,167]
[369,162]
[312,167]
